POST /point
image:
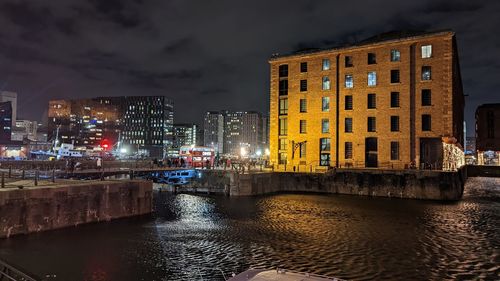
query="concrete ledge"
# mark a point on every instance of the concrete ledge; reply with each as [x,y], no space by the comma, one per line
[42,208]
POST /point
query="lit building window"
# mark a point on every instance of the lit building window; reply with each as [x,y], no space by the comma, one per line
[326,64]
[324,144]
[325,126]
[426,51]
[325,104]
[395,55]
[372,78]
[426,73]
[303,126]
[303,105]
[349,81]
[326,83]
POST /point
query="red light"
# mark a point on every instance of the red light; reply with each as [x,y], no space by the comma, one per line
[105,144]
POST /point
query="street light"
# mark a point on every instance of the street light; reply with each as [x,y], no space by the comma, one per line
[267,152]
[258,152]
[123,150]
[243,151]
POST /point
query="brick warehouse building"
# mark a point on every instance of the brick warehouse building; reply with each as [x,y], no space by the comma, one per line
[392,101]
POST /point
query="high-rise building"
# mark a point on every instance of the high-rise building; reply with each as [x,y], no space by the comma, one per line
[6,96]
[213,131]
[391,101]
[183,134]
[25,129]
[142,123]
[5,121]
[229,131]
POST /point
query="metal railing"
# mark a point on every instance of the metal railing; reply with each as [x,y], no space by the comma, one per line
[10,273]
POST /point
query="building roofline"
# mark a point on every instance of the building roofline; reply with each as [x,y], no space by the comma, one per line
[372,41]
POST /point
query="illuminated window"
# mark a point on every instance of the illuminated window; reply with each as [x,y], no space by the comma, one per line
[372,78]
[395,55]
[283,107]
[326,83]
[426,51]
[426,73]
[283,127]
[324,159]
[325,104]
[349,82]
[283,144]
[325,126]
[324,144]
[326,64]
[302,150]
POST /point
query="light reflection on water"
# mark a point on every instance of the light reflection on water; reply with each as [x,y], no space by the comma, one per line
[345,236]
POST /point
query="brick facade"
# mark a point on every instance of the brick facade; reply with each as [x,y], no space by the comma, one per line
[445,109]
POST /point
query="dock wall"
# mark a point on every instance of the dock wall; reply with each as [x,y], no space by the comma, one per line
[44,208]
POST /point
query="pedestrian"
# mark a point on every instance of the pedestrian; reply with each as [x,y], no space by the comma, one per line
[99,163]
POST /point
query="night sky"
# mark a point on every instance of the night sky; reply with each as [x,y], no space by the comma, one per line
[211,55]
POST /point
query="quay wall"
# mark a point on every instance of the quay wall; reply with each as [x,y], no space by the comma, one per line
[37,209]
[411,184]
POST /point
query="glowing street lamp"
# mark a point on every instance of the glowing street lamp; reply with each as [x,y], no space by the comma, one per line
[267,152]
[243,151]
[258,152]
[123,150]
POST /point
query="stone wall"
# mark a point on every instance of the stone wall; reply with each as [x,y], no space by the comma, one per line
[401,184]
[43,208]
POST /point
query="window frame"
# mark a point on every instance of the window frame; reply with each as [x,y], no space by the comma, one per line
[396,58]
[372,79]
[396,127]
[323,122]
[350,84]
[371,125]
[323,108]
[325,65]
[395,94]
[303,85]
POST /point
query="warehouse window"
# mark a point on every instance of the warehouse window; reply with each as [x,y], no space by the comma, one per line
[348,150]
[349,82]
[303,67]
[348,103]
[326,83]
[303,105]
[426,51]
[372,58]
[303,125]
[348,61]
[283,127]
[372,124]
[283,144]
[372,78]
[426,122]
[394,123]
[394,99]
[283,70]
[325,126]
[372,101]
[426,73]
[283,87]
[426,97]
[326,64]
[325,104]
[324,144]
[395,76]
[283,106]
[348,125]
[302,150]
[394,150]
[395,55]
[324,159]
[303,85]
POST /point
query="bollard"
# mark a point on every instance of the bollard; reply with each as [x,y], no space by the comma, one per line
[102,175]
[131,176]
[23,175]
[53,175]
[3,179]
[36,177]
[10,172]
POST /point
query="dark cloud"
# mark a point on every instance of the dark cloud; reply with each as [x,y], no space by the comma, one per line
[211,55]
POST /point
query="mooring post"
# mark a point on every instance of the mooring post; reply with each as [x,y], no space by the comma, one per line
[53,175]
[131,176]
[10,172]
[36,177]
[3,179]
[23,175]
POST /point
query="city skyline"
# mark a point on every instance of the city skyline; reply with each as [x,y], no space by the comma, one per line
[72,49]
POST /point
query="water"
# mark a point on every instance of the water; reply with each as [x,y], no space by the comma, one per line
[349,237]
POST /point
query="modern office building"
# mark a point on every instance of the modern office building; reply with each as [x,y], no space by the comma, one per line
[392,101]
[230,131]
[5,121]
[6,96]
[183,134]
[25,129]
[213,131]
[144,124]
[488,134]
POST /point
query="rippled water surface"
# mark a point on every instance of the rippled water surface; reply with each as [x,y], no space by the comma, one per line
[349,237]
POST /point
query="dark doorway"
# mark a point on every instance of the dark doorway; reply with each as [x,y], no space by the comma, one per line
[431,153]
[371,152]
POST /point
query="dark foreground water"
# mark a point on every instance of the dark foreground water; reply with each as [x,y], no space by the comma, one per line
[344,236]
